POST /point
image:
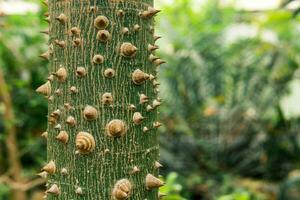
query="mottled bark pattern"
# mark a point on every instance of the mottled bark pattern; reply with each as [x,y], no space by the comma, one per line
[113,158]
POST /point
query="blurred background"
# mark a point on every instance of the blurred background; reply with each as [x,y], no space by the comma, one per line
[231,91]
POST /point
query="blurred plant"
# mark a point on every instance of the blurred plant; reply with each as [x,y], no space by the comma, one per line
[21,110]
[228,71]
[296,10]
[289,189]
[241,195]
[172,189]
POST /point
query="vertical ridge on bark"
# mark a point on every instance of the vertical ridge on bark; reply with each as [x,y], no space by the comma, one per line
[128,153]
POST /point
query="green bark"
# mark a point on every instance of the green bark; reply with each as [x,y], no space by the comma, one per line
[96,173]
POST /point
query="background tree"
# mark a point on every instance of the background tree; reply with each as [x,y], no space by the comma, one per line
[228,73]
[21,110]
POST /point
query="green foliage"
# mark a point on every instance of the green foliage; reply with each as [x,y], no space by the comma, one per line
[227,73]
[20,45]
[172,189]
[290,188]
[236,196]
[4,190]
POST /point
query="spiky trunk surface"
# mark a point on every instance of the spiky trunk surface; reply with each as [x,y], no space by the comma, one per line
[97,90]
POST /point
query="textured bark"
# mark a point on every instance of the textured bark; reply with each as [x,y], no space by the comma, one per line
[114,158]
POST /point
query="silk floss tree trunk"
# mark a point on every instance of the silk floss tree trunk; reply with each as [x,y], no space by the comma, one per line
[102,89]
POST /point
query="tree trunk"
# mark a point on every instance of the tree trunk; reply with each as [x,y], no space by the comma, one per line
[102,92]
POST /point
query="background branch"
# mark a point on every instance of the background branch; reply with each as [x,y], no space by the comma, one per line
[11,140]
